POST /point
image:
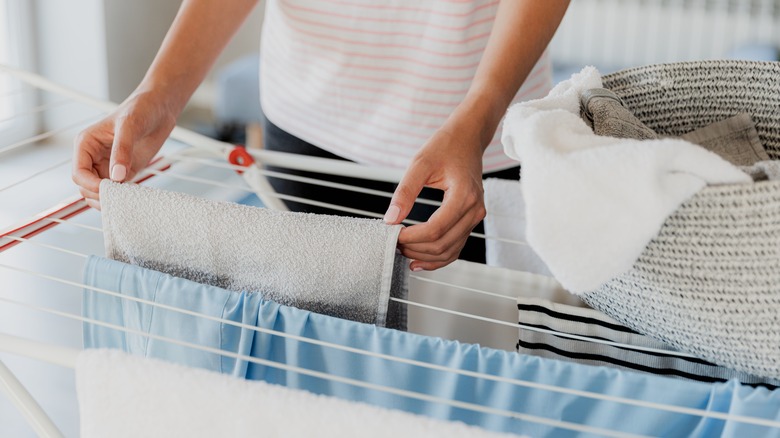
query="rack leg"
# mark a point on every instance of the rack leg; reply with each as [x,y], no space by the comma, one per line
[30,409]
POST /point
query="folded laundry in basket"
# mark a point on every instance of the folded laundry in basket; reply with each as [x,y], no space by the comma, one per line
[125,396]
[497,388]
[607,115]
[593,203]
[344,267]
[735,139]
[556,320]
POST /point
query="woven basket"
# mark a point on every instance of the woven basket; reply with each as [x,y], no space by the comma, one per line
[709,283]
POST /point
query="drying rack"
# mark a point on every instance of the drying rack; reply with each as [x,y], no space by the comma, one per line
[456,302]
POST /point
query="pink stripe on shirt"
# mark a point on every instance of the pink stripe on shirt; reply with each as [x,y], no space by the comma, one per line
[391,58]
[372,82]
[395,21]
[434,11]
[358,42]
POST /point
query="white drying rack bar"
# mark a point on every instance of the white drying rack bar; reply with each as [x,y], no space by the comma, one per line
[21,398]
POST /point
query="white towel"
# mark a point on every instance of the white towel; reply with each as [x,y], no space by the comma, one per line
[593,203]
[121,395]
[339,266]
[506,219]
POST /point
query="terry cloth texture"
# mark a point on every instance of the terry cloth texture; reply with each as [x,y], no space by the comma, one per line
[121,395]
[593,203]
[506,245]
[441,372]
[339,266]
[607,115]
[569,319]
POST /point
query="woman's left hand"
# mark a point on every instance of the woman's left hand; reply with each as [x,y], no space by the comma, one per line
[452,162]
[452,159]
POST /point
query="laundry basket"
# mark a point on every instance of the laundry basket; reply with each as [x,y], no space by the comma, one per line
[709,283]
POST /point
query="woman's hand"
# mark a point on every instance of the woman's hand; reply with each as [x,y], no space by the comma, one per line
[452,162]
[452,159]
[122,144]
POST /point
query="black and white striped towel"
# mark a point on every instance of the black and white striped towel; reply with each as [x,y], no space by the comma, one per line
[563,319]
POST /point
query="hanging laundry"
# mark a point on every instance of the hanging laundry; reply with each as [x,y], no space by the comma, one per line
[559,319]
[125,396]
[490,389]
[339,266]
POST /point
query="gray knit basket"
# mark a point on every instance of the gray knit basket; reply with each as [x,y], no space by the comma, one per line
[709,283]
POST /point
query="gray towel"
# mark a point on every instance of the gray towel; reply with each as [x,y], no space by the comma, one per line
[735,139]
[607,115]
[338,266]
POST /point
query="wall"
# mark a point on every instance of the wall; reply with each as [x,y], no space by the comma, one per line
[103,47]
[245,42]
[70,49]
[615,34]
[134,31]
[70,44]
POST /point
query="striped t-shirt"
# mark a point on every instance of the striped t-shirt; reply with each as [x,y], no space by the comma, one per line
[372,80]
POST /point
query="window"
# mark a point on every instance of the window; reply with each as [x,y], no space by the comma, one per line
[17,117]
[5,83]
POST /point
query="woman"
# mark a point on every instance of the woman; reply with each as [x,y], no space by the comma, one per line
[420,85]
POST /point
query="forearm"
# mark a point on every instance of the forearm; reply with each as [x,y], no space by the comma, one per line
[521,32]
[198,34]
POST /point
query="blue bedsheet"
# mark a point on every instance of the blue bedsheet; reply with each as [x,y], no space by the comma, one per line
[250,309]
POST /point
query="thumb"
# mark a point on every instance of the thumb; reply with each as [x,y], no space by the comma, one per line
[405,194]
[121,151]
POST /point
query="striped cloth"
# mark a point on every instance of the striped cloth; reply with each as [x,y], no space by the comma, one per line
[570,319]
[372,80]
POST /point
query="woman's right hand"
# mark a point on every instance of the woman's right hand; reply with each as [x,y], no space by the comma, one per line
[121,144]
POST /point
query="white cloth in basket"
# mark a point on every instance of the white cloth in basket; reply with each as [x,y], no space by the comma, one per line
[593,202]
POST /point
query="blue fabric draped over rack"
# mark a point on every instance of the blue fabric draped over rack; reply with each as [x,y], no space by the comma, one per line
[250,309]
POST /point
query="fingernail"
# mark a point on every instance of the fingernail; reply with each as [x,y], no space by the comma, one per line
[417,269]
[392,214]
[118,172]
